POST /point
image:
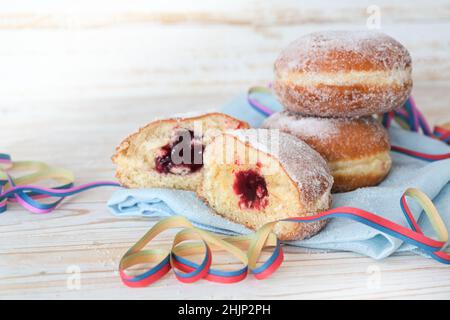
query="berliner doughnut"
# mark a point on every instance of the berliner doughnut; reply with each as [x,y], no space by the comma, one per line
[257,176]
[357,150]
[169,153]
[343,74]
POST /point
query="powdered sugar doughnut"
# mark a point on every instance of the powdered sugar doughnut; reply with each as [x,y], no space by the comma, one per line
[253,177]
[343,74]
[357,150]
[168,153]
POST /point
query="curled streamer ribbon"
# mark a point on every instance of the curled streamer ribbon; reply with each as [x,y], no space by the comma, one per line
[22,191]
[206,243]
[409,117]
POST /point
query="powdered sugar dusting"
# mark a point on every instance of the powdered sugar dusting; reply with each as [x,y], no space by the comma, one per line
[334,138]
[317,49]
[304,165]
[343,74]
[310,127]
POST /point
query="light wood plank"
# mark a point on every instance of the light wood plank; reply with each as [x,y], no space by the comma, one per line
[35,251]
[139,48]
[79,75]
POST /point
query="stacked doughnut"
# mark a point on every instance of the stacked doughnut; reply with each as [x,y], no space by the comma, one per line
[331,84]
[238,171]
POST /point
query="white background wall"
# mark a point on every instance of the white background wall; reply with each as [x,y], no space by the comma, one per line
[89,48]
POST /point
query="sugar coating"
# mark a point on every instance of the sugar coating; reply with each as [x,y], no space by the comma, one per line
[313,50]
[304,165]
[310,127]
[343,74]
[334,138]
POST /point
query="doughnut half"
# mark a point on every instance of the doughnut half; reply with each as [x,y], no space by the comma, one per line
[257,176]
[343,74]
[357,149]
[169,153]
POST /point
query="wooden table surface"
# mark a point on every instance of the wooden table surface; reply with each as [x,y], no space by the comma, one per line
[77,78]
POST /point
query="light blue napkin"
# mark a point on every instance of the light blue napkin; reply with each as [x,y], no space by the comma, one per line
[339,234]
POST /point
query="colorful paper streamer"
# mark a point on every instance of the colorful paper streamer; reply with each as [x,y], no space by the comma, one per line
[21,190]
[248,248]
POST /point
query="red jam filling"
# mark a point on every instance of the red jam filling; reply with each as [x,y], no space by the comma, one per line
[251,188]
[164,162]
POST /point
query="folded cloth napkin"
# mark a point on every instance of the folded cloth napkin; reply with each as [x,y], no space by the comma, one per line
[339,234]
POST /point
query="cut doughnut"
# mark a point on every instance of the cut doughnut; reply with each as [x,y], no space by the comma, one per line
[169,153]
[256,176]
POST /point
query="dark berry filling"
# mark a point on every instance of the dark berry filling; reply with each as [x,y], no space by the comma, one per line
[163,163]
[251,188]
[172,157]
